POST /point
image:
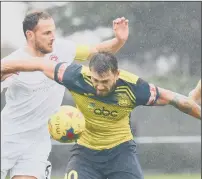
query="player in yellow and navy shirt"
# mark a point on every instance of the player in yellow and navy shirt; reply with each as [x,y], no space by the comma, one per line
[106,96]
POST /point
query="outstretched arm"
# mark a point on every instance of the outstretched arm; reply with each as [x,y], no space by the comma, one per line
[61,72]
[34,64]
[183,103]
[148,94]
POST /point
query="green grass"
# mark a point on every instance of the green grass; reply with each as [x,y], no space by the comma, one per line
[178,176]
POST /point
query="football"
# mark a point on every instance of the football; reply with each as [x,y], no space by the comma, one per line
[66,125]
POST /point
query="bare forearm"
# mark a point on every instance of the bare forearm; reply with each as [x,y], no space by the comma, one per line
[35,64]
[13,66]
[186,105]
[179,101]
[112,46]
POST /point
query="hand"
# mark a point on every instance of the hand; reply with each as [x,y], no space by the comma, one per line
[5,76]
[121,30]
[5,71]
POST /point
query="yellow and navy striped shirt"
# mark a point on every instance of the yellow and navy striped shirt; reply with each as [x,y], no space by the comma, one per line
[107,118]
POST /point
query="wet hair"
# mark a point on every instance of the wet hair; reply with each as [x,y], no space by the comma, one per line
[32,18]
[103,62]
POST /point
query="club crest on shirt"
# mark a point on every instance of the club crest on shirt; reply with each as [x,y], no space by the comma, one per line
[53,58]
[123,100]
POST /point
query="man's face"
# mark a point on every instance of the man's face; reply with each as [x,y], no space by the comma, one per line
[44,36]
[105,82]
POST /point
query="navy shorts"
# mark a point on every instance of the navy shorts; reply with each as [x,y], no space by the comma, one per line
[120,162]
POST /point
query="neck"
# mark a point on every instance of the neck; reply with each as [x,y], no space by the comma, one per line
[113,88]
[32,51]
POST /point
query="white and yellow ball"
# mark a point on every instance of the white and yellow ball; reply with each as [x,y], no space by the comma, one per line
[66,125]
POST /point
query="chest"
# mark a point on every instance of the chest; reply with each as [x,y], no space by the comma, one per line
[34,83]
[113,108]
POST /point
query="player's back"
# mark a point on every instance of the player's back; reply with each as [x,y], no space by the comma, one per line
[30,99]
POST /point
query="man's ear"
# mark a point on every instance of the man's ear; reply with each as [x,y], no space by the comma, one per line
[29,34]
[117,73]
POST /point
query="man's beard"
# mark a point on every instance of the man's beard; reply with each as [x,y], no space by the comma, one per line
[111,90]
[42,50]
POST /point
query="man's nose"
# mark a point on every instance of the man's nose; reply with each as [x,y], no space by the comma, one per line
[100,87]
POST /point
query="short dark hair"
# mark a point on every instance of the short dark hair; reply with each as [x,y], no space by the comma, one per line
[103,62]
[32,18]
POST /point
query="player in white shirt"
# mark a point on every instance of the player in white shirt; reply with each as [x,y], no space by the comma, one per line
[31,97]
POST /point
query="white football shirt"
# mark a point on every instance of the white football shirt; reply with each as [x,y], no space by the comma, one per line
[31,98]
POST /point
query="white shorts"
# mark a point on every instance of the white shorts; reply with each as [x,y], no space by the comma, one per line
[29,160]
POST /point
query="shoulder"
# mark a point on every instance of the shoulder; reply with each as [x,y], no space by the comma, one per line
[77,70]
[128,77]
[74,77]
[66,72]
[15,54]
[85,71]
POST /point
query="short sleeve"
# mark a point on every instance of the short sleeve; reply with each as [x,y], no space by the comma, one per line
[82,52]
[67,74]
[146,94]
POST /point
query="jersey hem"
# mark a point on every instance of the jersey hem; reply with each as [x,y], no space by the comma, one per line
[106,147]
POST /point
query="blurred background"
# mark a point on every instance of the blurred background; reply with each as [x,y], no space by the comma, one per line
[164,48]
